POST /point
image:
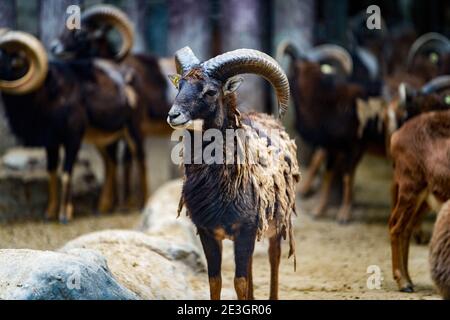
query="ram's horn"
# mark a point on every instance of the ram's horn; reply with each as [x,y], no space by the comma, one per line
[16,41]
[185,60]
[435,40]
[118,19]
[436,85]
[244,61]
[335,52]
[286,47]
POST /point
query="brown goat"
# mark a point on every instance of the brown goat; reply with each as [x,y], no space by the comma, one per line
[421,156]
[440,252]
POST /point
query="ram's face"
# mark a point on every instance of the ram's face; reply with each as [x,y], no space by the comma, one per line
[69,43]
[199,100]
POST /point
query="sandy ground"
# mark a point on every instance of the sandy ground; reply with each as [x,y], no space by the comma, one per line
[332,260]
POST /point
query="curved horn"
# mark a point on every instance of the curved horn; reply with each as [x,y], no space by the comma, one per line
[436,85]
[243,61]
[185,59]
[433,39]
[37,58]
[332,51]
[118,19]
[286,47]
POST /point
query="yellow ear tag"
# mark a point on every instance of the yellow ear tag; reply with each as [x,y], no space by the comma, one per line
[175,79]
[434,57]
[447,99]
[327,69]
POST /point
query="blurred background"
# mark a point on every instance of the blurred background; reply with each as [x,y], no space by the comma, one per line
[211,27]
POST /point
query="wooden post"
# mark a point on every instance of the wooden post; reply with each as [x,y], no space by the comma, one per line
[294,20]
[242,25]
[189,26]
[8,14]
[137,11]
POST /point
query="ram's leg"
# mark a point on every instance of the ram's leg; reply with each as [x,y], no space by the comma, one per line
[244,245]
[108,194]
[316,162]
[274,257]
[324,193]
[213,252]
[349,163]
[401,217]
[52,169]
[71,152]
[346,207]
[419,211]
[420,236]
[127,178]
[137,147]
[250,293]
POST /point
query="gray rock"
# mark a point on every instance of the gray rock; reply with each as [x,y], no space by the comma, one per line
[44,275]
[160,216]
[153,268]
[185,253]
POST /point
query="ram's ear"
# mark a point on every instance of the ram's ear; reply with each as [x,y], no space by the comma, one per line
[175,79]
[232,85]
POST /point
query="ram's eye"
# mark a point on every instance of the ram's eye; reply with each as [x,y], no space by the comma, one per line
[211,93]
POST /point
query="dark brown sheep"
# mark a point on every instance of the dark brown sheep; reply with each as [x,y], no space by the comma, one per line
[58,103]
[242,200]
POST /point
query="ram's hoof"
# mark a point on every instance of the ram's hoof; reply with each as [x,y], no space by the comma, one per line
[409,288]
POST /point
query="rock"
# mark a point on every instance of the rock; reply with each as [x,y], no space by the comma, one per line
[151,267]
[44,275]
[23,183]
[160,216]
[166,247]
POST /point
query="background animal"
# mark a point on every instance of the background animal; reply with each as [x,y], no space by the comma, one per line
[94,40]
[420,150]
[56,103]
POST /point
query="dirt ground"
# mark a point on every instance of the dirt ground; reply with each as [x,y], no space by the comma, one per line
[332,260]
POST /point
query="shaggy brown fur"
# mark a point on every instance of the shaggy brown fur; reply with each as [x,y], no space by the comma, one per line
[246,198]
[421,155]
[440,252]
[269,169]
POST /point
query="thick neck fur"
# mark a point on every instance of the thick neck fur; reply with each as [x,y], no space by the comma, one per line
[210,189]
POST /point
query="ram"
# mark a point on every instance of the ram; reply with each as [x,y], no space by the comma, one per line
[93,40]
[326,117]
[242,200]
[58,103]
[420,151]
